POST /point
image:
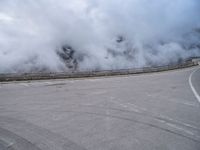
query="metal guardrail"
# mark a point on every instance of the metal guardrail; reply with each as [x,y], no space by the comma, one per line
[64,75]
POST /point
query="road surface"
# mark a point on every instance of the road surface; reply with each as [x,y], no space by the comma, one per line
[158,111]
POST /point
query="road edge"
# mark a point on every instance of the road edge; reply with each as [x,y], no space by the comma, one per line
[192,87]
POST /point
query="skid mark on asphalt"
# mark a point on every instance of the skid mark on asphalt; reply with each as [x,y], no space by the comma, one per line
[41,137]
[178,125]
[175,124]
[144,111]
[135,121]
[10,140]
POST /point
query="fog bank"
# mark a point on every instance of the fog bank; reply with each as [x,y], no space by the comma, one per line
[63,35]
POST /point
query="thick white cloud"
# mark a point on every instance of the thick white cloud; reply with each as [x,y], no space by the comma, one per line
[156,32]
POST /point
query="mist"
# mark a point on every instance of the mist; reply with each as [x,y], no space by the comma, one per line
[64,35]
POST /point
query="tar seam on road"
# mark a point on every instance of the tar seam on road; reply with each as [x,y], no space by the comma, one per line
[191,85]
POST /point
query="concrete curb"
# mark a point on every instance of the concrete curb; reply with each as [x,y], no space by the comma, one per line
[64,75]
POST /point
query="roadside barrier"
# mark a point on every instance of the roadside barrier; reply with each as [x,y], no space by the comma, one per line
[65,75]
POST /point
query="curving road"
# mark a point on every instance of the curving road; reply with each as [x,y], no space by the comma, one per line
[158,111]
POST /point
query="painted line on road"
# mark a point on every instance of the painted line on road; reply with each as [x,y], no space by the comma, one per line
[192,87]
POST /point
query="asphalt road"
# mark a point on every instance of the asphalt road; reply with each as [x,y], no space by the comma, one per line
[158,111]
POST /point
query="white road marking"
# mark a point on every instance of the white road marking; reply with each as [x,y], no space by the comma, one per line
[191,85]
